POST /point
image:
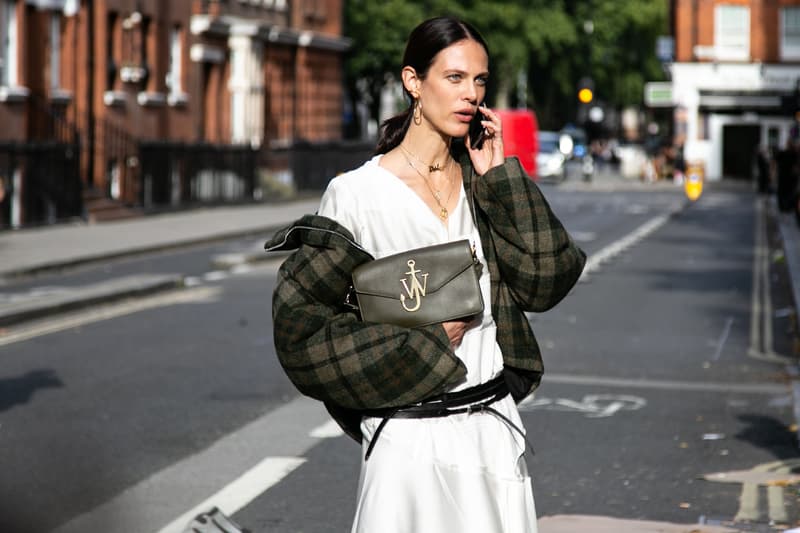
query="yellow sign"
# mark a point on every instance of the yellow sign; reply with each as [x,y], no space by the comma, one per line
[693,182]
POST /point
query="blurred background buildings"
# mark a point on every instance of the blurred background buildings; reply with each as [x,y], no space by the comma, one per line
[115,108]
[735,79]
[108,104]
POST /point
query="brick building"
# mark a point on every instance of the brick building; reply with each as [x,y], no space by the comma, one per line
[737,64]
[142,85]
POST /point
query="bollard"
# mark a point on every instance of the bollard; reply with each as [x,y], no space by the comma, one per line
[693,181]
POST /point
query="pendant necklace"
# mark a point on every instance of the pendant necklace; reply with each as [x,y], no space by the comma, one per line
[435,167]
[437,195]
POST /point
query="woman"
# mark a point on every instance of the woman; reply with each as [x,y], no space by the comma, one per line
[464,470]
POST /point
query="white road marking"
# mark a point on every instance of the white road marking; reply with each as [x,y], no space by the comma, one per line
[696,386]
[328,430]
[620,245]
[723,339]
[773,476]
[592,405]
[215,275]
[244,463]
[583,236]
[240,492]
[761,344]
[106,312]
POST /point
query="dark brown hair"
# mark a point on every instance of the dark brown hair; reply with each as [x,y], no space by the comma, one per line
[424,42]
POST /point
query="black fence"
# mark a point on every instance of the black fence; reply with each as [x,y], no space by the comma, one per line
[39,183]
[178,174]
[314,164]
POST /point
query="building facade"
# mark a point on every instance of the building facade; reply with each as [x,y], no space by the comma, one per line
[122,74]
[737,64]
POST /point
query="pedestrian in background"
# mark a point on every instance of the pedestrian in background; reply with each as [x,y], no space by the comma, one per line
[460,469]
[786,166]
[763,170]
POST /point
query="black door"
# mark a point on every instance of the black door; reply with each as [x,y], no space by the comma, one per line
[739,145]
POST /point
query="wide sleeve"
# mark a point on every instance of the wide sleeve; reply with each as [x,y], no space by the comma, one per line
[331,355]
[536,257]
[340,204]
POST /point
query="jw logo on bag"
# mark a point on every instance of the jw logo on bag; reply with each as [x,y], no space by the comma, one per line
[416,291]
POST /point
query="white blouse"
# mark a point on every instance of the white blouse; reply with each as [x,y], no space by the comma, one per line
[461,473]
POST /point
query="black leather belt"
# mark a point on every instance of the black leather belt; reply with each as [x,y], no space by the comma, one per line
[475,399]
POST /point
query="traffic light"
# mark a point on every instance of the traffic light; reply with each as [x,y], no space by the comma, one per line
[586,90]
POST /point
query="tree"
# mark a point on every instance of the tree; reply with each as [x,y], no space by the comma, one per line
[379,30]
[544,40]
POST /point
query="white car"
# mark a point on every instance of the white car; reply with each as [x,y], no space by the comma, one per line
[550,162]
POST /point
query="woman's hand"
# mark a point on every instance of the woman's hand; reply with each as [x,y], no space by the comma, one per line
[491,153]
[456,329]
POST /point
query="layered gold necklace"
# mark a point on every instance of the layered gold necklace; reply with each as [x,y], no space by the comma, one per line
[436,167]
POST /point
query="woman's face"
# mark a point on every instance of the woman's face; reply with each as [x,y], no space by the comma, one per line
[453,87]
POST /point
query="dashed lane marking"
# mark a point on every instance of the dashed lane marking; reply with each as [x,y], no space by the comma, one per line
[620,245]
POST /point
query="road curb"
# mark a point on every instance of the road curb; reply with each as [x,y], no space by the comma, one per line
[55,266]
[86,296]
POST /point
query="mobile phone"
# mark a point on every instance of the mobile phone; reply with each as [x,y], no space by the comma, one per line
[476,130]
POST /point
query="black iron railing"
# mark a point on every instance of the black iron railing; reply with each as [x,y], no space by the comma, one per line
[39,183]
[40,179]
[314,164]
[179,174]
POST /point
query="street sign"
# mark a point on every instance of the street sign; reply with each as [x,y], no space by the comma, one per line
[658,94]
[665,48]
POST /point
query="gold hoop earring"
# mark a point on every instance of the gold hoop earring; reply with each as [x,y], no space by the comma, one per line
[417,112]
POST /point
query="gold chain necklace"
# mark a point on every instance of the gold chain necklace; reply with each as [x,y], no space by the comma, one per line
[437,195]
[436,167]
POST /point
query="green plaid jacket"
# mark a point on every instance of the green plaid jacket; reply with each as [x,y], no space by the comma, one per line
[331,355]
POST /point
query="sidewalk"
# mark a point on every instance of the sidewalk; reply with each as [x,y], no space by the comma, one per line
[28,252]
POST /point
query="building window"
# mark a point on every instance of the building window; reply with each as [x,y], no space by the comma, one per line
[790,33]
[175,59]
[113,53]
[8,43]
[702,126]
[55,51]
[732,32]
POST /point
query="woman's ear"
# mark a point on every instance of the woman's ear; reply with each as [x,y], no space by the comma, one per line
[410,81]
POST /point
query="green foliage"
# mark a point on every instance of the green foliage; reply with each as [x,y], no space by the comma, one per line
[544,38]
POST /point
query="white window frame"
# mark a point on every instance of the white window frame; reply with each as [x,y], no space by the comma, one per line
[175,73]
[731,37]
[790,35]
[55,51]
[8,44]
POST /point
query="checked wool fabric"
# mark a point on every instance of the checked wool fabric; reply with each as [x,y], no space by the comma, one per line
[331,355]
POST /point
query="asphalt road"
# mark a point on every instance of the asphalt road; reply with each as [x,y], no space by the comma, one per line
[654,380]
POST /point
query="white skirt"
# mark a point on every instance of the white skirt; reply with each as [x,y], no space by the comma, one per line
[464,473]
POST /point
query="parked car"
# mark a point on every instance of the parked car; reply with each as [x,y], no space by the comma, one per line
[580,146]
[550,161]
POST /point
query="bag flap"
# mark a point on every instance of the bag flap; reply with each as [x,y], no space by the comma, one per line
[431,267]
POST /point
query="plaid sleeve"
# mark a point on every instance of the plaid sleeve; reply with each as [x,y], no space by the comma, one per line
[333,356]
[536,257]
